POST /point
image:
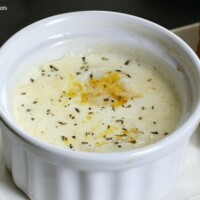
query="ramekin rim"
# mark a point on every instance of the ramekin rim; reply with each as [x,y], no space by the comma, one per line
[192,119]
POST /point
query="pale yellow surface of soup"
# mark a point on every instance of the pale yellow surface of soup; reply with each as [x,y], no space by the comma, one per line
[96,103]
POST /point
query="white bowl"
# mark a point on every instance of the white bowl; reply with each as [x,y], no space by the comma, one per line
[44,171]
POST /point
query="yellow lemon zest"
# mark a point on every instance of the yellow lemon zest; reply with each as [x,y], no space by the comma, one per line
[102,91]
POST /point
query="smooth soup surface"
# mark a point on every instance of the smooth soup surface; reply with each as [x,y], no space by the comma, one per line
[96,103]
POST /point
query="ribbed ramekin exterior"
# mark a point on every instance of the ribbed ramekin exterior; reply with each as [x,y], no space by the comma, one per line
[41,180]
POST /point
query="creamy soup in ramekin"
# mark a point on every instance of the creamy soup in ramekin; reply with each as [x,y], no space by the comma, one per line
[96,102]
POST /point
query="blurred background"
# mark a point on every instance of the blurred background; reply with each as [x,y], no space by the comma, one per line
[16,14]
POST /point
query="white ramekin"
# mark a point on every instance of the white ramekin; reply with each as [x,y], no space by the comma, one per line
[45,172]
